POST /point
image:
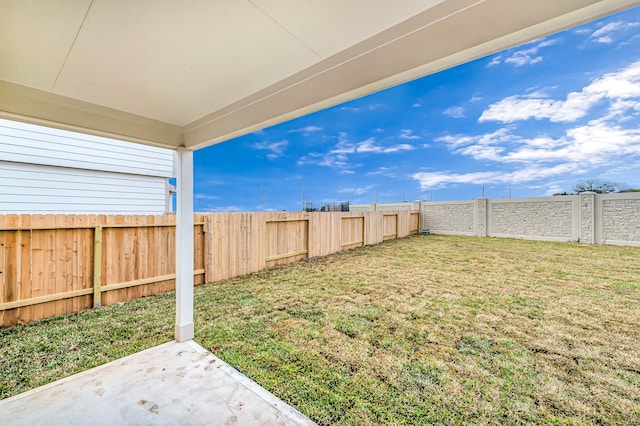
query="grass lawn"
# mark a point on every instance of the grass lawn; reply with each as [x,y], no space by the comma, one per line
[420,330]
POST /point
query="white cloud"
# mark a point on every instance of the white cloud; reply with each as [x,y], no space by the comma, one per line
[338,157]
[456,142]
[408,134]
[357,191]
[621,173]
[383,171]
[344,146]
[371,107]
[481,147]
[528,56]
[632,40]
[547,43]
[515,108]
[416,105]
[455,112]
[436,180]
[497,60]
[523,57]
[369,146]
[606,33]
[615,86]
[339,161]
[554,188]
[276,148]
[205,197]
[306,129]
[609,142]
[596,143]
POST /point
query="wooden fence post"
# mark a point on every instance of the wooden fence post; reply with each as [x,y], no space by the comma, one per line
[97,267]
[208,249]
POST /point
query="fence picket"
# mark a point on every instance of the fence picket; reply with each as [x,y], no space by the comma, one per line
[51,265]
[25,313]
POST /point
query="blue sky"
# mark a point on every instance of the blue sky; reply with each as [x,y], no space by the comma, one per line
[530,121]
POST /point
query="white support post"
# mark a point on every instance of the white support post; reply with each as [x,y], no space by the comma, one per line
[184,245]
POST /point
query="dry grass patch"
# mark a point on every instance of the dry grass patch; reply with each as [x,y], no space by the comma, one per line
[431,329]
[441,329]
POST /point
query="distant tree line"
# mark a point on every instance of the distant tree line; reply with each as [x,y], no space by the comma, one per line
[599,187]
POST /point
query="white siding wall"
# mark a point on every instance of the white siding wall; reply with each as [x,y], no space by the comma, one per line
[45,170]
[29,188]
[26,143]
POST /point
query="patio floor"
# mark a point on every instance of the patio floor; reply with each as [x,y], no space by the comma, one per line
[174,383]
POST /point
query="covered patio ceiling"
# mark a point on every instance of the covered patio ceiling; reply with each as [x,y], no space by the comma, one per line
[194,73]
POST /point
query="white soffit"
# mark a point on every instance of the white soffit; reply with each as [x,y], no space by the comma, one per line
[31,55]
[329,26]
[198,72]
[177,62]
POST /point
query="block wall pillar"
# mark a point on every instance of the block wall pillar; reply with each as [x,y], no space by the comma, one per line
[587,217]
[482,205]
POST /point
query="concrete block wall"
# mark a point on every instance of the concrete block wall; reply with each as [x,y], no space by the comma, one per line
[482,207]
[545,218]
[618,221]
[588,218]
[450,217]
[376,207]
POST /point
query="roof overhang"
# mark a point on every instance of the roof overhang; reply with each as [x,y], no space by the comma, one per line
[196,73]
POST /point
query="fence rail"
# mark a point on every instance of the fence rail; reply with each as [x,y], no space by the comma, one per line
[57,264]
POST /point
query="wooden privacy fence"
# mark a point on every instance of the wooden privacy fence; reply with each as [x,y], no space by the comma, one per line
[241,243]
[48,263]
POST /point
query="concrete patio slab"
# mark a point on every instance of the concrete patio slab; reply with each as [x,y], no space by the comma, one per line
[170,384]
